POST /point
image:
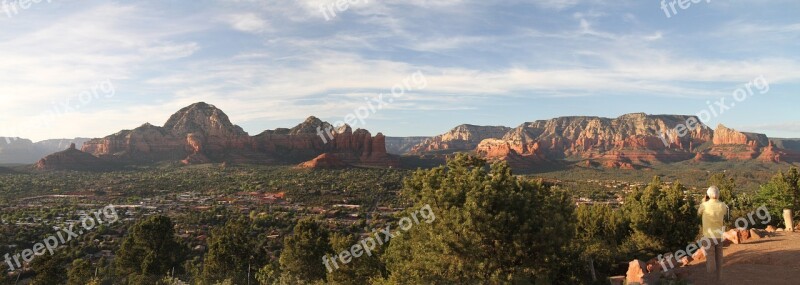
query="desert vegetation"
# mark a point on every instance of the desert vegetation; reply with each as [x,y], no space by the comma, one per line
[491,226]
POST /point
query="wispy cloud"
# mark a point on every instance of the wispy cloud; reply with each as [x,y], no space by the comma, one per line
[280,60]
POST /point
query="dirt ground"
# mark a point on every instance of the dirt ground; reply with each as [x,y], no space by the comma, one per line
[773,260]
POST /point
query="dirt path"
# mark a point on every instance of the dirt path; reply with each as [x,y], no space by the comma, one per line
[771,261]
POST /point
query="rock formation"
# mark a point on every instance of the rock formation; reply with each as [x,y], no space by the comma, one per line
[71,159]
[324,161]
[460,138]
[726,136]
[306,141]
[201,133]
[617,143]
[629,142]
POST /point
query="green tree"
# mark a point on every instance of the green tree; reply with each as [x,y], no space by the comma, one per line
[360,270]
[301,259]
[269,274]
[662,218]
[230,252]
[780,193]
[600,232]
[49,269]
[490,227]
[149,251]
[80,272]
[727,187]
[739,204]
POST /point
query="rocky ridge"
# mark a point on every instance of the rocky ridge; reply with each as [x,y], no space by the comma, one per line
[462,137]
[71,159]
[630,141]
[201,133]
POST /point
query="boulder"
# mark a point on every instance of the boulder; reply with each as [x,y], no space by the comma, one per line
[743,234]
[669,263]
[755,234]
[654,266]
[699,255]
[636,271]
[733,236]
[685,261]
[771,229]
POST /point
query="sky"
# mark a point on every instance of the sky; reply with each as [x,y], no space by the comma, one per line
[401,67]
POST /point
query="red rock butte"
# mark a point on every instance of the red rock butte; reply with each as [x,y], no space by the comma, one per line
[202,133]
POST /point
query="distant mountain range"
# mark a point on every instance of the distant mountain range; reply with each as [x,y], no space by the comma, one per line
[25,151]
[201,133]
[630,141]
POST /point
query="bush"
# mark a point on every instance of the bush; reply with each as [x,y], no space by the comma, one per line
[663,219]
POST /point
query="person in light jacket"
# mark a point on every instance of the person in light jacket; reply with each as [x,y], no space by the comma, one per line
[713,212]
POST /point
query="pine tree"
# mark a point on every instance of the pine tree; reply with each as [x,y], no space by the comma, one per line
[662,218]
[490,227]
[80,272]
[230,252]
[150,250]
[301,259]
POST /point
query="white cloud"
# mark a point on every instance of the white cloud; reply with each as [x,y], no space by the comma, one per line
[248,22]
[170,50]
[326,69]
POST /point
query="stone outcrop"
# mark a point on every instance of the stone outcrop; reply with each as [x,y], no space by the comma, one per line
[324,161]
[202,133]
[726,136]
[71,159]
[307,141]
[461,138]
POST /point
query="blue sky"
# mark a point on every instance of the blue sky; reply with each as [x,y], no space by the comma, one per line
[271,64]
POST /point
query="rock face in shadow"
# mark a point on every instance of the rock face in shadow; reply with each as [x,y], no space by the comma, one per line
[461,138]
[202,133]
[72,159]
[402,145]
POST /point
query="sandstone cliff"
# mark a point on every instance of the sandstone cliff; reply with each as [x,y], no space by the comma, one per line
[201,133]
[632,139]
[461,138]
[726,136]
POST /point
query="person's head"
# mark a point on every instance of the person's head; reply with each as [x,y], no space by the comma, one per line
[713,192]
